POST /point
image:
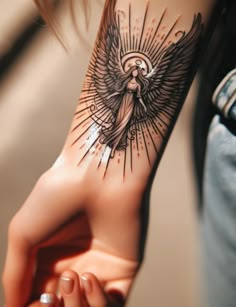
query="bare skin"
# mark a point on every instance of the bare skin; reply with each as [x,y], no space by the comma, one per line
[92,219]
[81,236]
[79,291]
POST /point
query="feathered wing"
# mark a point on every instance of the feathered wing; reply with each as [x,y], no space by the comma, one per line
[105,68]
[168,81]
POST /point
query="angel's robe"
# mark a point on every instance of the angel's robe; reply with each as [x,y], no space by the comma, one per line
[116,136]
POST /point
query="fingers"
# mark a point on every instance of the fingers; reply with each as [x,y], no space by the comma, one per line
[86,292]
[70,290]
[53,196]
[83,291]
[93,291]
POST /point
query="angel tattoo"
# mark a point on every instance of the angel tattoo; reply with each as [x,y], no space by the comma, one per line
[138,76]
[128,93]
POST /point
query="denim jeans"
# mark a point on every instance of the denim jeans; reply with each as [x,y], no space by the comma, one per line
[219,217]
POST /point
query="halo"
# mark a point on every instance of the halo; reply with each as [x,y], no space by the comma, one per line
[136,59]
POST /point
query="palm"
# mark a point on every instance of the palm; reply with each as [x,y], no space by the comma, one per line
[74,247]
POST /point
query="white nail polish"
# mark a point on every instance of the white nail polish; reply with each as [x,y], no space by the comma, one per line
[47,298]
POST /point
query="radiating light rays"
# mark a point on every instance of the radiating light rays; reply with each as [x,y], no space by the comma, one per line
[142,31]
[127,41]
[106,155]
[88,145]
[93,136]
[106,159]
[150,40]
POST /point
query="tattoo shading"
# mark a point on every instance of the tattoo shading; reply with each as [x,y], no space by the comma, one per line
[137,78]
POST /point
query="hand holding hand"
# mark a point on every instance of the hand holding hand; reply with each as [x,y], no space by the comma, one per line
[79,291]
[73,222]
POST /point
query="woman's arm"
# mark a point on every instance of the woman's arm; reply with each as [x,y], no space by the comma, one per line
[166,38]
[85,212]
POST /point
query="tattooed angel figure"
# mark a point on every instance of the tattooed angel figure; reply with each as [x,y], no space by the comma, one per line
[137,80]
[129,91]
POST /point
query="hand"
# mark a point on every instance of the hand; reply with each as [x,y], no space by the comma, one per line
[78,291]
[71,221]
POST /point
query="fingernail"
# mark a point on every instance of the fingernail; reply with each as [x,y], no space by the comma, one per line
[86,284]
[67,284]
[47,298]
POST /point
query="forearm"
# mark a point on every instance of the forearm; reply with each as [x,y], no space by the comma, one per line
[112,138]
[111,150]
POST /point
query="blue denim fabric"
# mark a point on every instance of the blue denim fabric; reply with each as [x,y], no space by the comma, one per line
[219,217]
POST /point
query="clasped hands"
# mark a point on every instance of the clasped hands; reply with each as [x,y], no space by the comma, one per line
[74,232]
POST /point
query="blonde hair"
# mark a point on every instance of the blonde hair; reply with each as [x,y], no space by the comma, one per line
[46,9]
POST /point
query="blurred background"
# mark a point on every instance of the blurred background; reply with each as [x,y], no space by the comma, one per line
[39,88]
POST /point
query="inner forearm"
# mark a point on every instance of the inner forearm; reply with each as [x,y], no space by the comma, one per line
[152,45]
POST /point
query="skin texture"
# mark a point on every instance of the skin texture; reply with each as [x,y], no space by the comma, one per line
[136,79]
[135,82]
[92,219]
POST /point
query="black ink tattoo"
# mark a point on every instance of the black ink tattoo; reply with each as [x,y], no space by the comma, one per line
[137,78]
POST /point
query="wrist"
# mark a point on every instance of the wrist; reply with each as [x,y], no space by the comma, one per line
[98,178]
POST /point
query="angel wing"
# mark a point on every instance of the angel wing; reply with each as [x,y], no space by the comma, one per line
[106,68]
[169,80]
